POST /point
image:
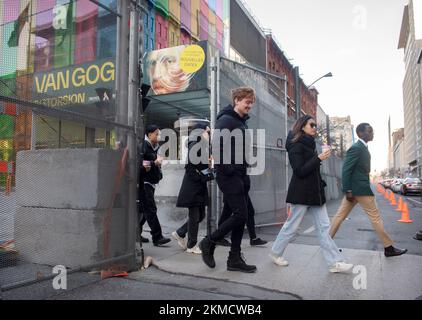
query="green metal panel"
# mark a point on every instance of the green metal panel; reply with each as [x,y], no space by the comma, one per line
[65,37]
[163,7]
[6,126]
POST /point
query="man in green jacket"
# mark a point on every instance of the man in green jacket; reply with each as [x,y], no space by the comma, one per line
[356,185]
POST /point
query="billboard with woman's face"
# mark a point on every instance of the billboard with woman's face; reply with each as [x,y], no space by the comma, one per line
[177,69]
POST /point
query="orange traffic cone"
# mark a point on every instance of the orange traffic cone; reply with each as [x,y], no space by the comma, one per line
[387,195]
[401,205]
[393,199]
[289,211]
[405,215]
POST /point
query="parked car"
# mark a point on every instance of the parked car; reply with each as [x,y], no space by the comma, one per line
[396,186]
[387,183]
[411,185]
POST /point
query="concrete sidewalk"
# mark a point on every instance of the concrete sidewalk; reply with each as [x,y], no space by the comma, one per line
[307,275]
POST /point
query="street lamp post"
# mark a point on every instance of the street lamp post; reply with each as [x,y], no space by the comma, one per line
[328,75]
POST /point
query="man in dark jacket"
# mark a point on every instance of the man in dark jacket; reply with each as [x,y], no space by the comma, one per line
[227,212]
[231,169]
[150,176]
[356,186]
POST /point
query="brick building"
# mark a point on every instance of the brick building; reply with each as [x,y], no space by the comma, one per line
[278,63]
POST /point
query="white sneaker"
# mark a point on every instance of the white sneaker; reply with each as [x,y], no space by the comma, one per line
[340,267]
[280,261]
[194,250]
[182,242]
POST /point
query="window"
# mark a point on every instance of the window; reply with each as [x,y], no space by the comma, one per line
[159,29]
[152,24]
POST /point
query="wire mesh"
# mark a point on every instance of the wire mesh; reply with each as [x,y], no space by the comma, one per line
[63,182]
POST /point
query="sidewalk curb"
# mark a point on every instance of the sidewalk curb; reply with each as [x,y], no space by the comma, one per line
[229,281]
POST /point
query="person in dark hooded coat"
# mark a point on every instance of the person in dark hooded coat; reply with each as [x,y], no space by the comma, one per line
[194,191]
[306,195]
[229,142]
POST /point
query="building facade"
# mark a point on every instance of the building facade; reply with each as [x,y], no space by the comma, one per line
[399,166]
[170,23]
[279,64]
[411,42]
[58,53]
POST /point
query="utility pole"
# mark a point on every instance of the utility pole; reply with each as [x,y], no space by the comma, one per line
[122,58]
[297,93]
[132,121]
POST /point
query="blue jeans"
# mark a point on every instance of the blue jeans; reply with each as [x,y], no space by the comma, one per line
[322,223]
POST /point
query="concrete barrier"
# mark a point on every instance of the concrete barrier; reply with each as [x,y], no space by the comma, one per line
[62,201]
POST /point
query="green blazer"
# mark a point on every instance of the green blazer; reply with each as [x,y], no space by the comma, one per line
[356,169]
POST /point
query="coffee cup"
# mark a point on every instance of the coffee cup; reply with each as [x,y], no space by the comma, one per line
[325,148]
[146,163]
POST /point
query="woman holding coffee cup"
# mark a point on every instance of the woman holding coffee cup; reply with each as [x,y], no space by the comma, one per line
[306,195]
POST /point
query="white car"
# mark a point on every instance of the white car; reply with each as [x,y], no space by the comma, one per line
[396,186]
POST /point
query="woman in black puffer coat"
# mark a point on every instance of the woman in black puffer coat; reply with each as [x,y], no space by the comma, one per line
[306,195]
[194,191]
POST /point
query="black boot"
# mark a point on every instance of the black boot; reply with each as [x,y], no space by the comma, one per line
[236,262]
[394,252]
[258,242]
[223,242]
[207,247]
[161,241]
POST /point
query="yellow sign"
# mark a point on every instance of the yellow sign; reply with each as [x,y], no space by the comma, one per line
[192,59]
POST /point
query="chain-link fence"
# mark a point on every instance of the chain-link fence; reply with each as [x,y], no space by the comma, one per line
[63,182]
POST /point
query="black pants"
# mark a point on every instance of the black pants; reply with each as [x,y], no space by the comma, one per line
[235,223]
[148,209]
[250,223]
[196,216]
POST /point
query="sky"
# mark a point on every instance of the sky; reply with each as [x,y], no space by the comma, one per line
[355,40]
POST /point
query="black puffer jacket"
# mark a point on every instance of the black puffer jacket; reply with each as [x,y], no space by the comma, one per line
[194,190]
[230,120]
[155,175]
[306,186]
[232,178]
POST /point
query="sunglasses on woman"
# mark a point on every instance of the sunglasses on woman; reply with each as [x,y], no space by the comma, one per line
[313,125]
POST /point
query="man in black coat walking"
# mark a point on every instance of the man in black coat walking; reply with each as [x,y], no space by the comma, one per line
[227,212]
[150,176]
[231,169]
